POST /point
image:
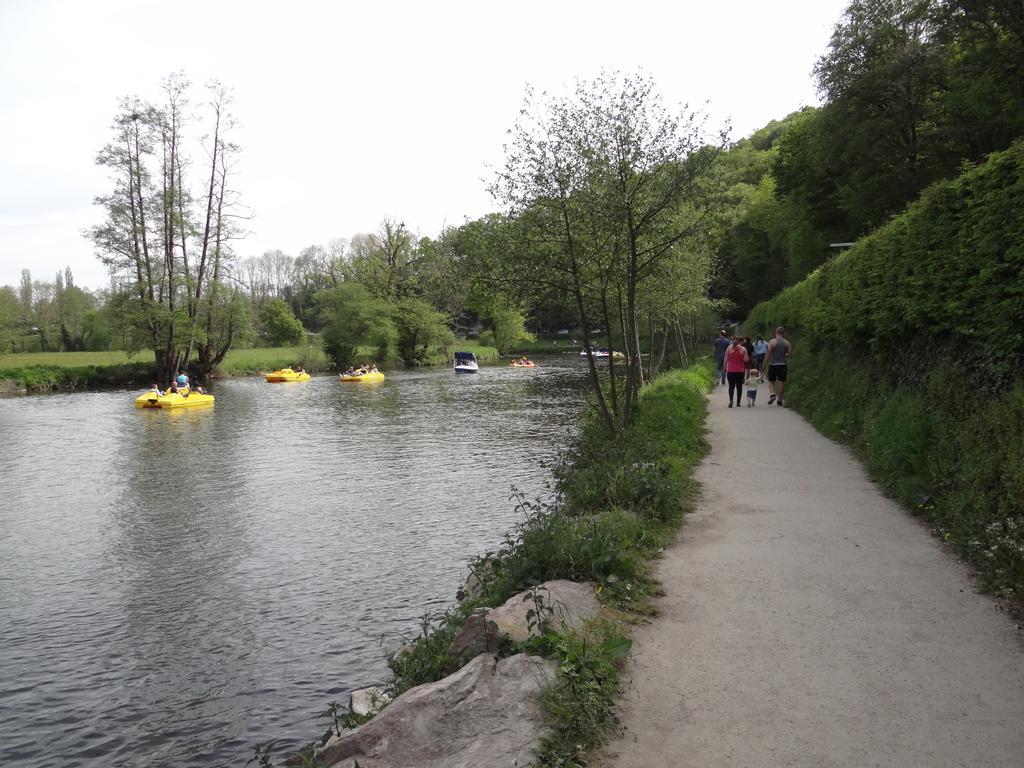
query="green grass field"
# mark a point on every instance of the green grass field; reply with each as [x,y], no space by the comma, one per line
[73,359]
[239,362]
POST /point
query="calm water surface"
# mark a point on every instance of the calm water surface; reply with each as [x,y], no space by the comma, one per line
[178,586]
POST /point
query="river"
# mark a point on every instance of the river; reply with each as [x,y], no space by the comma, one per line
[178,586]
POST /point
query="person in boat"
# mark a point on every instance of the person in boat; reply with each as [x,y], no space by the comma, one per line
[173,388]
[155,387]
[299,369]
[373,368]
[182,380]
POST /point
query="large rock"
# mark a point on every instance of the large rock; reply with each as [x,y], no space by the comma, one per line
[368,701]
[562,605]
[486,714]
[477,635]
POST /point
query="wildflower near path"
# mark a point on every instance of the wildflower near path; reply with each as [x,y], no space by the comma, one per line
[810,621]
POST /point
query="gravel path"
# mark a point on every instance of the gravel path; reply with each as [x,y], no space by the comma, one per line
[810,621]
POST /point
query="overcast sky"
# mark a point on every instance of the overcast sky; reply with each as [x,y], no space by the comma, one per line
[350,112]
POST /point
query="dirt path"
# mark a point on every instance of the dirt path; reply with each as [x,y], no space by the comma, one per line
[809,621]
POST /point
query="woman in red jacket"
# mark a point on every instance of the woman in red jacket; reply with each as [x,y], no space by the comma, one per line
[736,361]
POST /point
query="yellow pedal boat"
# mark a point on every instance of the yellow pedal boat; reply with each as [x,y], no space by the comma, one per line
[372,376]
[154,399]
[287,374]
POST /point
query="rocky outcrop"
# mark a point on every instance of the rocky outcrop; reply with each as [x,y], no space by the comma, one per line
[478,635]
[368,701]
[486,714]
[557,604]
[554,605]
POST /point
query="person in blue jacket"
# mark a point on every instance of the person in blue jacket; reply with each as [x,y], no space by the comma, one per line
[721,344]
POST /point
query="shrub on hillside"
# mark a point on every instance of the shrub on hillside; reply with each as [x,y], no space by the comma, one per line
[909,347]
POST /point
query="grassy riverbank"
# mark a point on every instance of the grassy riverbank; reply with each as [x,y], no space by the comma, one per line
[69,371]
[621,500]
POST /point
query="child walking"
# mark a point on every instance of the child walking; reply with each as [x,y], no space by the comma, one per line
[753,379]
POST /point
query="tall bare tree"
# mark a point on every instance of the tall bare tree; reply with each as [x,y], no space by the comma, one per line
[171,246]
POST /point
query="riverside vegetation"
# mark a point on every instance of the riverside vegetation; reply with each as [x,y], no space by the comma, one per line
[911,351]
[63,371]
[617,504]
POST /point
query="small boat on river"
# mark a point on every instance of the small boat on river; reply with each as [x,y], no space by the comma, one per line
[365,376]
[465,362]
[186,399]
[287,374]
[602,353]
[522,363]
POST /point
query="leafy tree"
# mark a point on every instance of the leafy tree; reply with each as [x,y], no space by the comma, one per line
[420,328]
[983,101]
[352,318]
[509,325]
[880,77]
[608,183]
[10,312]
[71,304]
[382,261]
[278,326]
[170,248]
[438,276]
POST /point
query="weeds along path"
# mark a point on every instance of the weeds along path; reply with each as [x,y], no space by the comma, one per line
[810,621]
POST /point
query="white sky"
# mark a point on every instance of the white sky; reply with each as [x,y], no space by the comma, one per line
[351,112]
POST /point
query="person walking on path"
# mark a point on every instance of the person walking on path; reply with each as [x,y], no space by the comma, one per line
[778,354]
[760,350]
[736,359]
[753,380]
[721,345]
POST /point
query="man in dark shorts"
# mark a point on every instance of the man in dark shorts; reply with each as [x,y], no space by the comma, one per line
[777,357]
[721,344]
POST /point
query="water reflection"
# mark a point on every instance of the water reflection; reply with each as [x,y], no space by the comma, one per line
[182,584]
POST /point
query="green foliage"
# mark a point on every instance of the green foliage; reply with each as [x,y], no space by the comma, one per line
[50,378]
[607,533]
[910,349]
[509,326]
[426,658]
[779,211]
[608,547]
[580,706]
[913,89]
[10,311]
[246,362]
[645,469]
[261,756]
[353,318]
[421,328]
[278,325]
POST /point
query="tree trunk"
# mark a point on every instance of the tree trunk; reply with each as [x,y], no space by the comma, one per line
[577,289]
[613,386]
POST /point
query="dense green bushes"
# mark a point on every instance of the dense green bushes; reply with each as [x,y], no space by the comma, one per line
[49,378]
[909,346]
